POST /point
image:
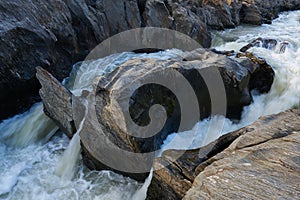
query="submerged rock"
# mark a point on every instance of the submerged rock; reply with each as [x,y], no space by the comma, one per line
[260,42]
[272,44]
[260,157]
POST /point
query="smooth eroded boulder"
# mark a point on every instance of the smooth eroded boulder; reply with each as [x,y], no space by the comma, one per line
[135,107]
[124,99]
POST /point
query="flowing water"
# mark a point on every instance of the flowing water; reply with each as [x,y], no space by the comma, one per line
[36,163]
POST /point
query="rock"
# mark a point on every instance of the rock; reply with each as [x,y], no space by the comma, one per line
[29,37]
[268,10]
[258,12]
[272,44]
[112,114]
[221,14]
[122,107]
[236,162]
[177,177]
[176,16]
[58,33]
[260,42]
[262,74]
[251,14]
[57,102]
[261,163]
[54,35]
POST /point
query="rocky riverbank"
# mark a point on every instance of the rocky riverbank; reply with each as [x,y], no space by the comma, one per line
[238,74]
[57,33]
[256,162]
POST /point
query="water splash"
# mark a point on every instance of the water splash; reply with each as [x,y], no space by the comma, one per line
[28,128]
[285,92]
[141,193]
[67,166]
[29,172]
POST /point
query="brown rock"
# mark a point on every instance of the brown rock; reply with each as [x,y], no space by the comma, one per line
[114,87]
[261,164]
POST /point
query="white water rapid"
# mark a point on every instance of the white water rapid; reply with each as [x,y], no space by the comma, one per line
[36,163]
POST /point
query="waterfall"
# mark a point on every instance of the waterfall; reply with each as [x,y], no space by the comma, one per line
[67,166]
[141,193]
[28,128]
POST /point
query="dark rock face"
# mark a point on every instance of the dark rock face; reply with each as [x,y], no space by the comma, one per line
[177,16]
[217,170]
[54,35]
[259,11]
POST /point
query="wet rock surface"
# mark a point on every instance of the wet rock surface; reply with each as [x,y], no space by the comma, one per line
[271,44]
[261,157]
[113,88]
[113,109]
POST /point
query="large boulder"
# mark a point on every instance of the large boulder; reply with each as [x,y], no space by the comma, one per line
[254,162]
[52,34]
[266,43]
[261,163]
[113,105]
[120,107]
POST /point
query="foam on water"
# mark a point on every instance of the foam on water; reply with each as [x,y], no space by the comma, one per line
[30,153]
[28,128]
[33,169]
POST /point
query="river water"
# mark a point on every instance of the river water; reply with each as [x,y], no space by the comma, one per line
[34,158]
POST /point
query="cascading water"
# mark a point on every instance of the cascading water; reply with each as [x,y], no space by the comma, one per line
[31,155]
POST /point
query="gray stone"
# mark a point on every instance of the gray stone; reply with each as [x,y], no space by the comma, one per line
[57,101]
